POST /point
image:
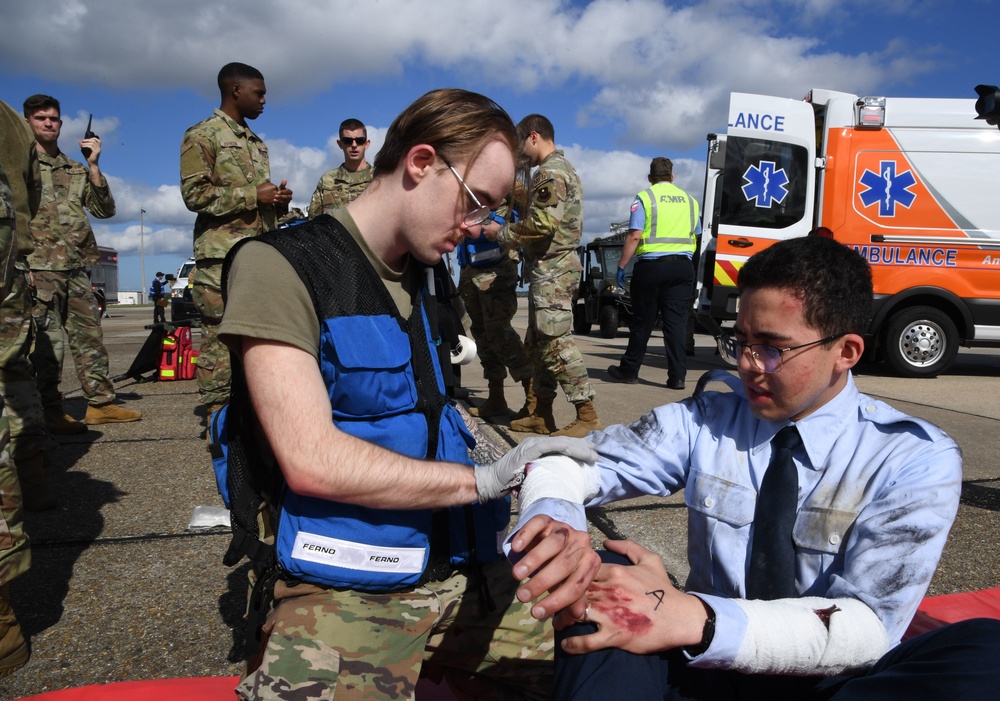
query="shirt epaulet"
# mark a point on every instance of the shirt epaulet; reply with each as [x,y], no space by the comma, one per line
[880,413]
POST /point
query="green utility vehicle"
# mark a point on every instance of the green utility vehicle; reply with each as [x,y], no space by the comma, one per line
[599,300]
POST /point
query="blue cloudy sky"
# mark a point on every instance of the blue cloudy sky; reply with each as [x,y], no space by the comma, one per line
[622,80]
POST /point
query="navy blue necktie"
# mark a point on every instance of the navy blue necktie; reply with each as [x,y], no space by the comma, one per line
[772,555]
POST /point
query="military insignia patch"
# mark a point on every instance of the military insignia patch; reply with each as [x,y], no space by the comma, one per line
[544,194]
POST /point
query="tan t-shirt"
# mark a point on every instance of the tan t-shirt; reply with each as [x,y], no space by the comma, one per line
[268,300]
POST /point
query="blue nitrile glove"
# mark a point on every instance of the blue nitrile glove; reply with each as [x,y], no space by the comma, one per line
[620,278]
[498,478]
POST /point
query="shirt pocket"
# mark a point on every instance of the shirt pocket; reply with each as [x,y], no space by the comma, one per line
[719,499]
[822,530]
[369,364]
[233,165]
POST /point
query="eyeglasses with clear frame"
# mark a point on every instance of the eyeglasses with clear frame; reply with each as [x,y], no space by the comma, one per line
[766,358]
[481,212]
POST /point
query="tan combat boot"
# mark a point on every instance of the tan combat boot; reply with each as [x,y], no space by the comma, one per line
[59,422]
[211,409]
[14,652]
[585,422]
[495,404]
[36,492]
[110,414]
[539,421]
[529,401]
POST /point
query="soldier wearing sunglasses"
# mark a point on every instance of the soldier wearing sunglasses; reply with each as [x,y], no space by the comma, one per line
[339,186]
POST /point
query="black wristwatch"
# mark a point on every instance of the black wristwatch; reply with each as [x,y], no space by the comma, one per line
[707,633]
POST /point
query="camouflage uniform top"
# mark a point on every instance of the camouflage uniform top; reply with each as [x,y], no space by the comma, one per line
[222,163]
[61,230]
[6,198]
[7,237]
[551,231]
[19,158]
[337,187]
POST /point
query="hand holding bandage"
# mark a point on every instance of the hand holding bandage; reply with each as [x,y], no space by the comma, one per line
[509,472]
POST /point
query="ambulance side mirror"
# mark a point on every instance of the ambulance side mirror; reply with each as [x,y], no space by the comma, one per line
[988,104]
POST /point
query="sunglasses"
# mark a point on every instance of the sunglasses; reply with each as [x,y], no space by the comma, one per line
[356,140]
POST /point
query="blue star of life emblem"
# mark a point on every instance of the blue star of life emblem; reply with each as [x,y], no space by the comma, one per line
[888,188]
[765,184]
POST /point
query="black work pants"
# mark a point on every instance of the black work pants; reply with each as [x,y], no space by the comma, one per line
[659,284]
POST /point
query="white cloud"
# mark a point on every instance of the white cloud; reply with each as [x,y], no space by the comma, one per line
[163,204]
[628,46]
[611,181]
[657,73]
[151,241]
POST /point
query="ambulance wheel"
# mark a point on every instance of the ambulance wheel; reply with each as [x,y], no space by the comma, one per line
[581,326]
[608,320]
[921,342]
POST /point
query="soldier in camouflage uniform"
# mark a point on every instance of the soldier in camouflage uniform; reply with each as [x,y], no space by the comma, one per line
[461,620]
[18,200]
[30,438]
[15,555]
[226,179]
[339,186]
[64,247]
[489,292]
[549,235]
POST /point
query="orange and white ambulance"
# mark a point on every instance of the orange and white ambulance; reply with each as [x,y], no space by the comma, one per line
[913,184]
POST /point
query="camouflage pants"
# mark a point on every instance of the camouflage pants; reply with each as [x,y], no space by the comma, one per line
[17,378]
[65,300]
[549,341]
[213,371]
[353,646]
[490,296]
[15,557]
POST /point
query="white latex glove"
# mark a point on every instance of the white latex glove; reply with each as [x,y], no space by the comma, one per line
[498,478]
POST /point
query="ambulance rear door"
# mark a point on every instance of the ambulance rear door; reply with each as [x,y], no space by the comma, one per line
[767,190]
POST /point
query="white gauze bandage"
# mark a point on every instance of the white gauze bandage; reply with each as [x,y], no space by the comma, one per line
[787,636]
[559,477]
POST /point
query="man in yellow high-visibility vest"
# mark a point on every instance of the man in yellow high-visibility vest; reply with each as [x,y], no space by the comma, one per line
[663,227]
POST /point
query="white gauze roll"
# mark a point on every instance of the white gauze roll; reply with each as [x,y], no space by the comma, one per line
[465,352]
[559,477]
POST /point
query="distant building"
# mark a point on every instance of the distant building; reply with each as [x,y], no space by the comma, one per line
[104,275]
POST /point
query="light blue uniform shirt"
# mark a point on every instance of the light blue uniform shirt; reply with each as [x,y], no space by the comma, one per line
[878,491]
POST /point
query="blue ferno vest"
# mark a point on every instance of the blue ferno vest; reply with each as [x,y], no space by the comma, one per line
[385,386]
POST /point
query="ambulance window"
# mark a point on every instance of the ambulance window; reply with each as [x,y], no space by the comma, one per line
[764,183]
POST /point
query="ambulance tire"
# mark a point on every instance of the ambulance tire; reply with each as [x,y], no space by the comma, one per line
[581,326]
[921,342]
[608,320]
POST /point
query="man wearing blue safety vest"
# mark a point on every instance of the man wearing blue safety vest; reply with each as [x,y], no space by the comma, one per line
[662,228]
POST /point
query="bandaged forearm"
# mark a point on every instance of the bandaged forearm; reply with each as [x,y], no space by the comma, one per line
[559,477]
[788,636]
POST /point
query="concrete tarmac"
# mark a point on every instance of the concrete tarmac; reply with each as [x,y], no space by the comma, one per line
[121,589]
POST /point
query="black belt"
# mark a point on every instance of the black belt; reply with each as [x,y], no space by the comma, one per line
[658,259]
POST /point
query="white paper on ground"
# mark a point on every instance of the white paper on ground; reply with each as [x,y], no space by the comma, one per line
[209,517]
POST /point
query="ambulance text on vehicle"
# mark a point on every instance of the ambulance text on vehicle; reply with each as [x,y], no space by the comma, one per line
[909,183]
